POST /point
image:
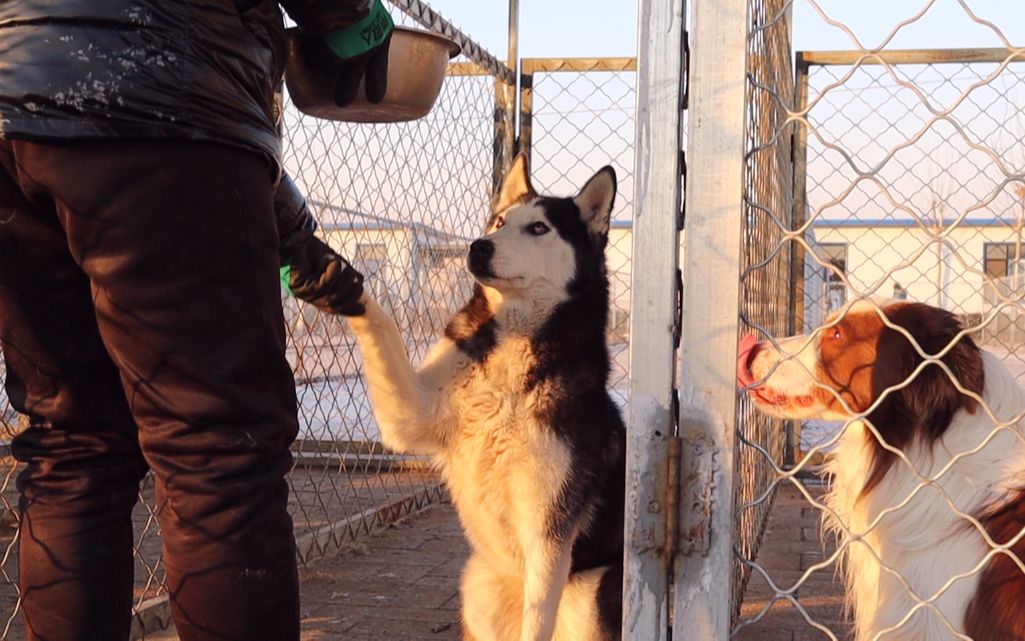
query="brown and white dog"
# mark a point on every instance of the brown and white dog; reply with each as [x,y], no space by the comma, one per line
[928,484]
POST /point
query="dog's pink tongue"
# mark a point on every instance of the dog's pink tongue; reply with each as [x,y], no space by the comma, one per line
[744,351]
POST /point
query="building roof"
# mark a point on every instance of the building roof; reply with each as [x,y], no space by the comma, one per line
[345,219]
[987,221]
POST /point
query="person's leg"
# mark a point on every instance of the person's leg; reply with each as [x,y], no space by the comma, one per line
[81,455]
[179,241]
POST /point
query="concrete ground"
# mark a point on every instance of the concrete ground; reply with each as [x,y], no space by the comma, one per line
[402,585]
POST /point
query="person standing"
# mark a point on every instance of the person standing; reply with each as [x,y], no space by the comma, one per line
[142,214]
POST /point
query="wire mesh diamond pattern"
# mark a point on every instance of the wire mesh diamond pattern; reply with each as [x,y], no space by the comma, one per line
[401,202]
[582,118]
[913,190]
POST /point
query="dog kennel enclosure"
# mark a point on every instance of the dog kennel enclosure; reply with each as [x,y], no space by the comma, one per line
[761,188]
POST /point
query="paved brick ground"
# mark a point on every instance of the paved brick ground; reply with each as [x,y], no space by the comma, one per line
[402,585]
[792,544]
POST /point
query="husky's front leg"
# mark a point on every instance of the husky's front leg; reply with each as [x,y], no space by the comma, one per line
[407,412]
[547,565]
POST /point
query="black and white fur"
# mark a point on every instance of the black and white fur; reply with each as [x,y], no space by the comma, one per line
[512,405]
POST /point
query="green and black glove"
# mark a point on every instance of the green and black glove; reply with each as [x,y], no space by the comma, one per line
[324,279]
[356,52]
[311,270]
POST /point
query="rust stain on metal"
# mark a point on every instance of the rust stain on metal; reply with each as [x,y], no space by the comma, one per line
[698,462]
[673,497]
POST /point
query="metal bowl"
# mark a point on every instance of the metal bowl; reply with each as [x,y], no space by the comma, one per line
[416,70]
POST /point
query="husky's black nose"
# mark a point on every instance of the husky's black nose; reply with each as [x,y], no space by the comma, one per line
[482,249]
[479,260]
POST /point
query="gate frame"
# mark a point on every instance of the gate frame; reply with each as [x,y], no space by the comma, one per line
[708,397]
[651,483]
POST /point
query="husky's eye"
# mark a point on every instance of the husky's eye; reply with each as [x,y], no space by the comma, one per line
[538,229]
[500,222]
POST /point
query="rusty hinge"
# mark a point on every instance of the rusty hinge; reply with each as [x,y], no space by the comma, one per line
[686,70]
[697,484]
[682,219]
[678,312]
[673,484]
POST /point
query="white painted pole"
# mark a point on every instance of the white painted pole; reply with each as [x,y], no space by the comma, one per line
[715,158]
[652,357]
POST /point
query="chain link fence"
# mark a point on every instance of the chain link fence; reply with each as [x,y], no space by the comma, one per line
[576,116]
[402,202]
[876,174]
[939,218]
[764,303]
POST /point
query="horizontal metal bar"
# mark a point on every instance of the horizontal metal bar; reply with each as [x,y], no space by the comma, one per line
[320,446]
[427,17]
[909,56]
[352,455]
[466,69]
[152,616]
[379,464]
[555,65]
[317,543]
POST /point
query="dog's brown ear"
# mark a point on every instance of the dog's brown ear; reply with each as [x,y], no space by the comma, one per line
[516,188]
[925,407]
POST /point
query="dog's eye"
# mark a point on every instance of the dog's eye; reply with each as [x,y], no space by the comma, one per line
[537,229]
[500,222]
[836,334]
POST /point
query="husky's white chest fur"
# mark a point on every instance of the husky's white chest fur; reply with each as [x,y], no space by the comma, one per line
[504,465]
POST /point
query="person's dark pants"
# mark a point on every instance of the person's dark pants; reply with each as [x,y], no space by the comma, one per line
[141,323]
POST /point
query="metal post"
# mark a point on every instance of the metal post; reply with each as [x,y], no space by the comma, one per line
[525,140]
[797,218]
[505,132]
[513,62]
[708,397]
[505,105]
[514,26]
[652,320]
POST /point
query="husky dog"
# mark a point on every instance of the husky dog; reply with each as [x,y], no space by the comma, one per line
[512,405]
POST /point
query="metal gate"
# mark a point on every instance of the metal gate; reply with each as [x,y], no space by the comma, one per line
[810,180]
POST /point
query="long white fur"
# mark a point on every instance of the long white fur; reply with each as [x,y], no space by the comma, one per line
[925,543]
[493,457]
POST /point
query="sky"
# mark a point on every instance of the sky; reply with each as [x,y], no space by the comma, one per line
[582,123]
[587,28]
[549,28]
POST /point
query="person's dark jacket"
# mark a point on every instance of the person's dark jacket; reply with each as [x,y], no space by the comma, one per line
[193,69]
[296,223]
[200,69]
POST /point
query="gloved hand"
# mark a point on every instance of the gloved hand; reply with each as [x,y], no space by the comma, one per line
[322,278]
[355,52]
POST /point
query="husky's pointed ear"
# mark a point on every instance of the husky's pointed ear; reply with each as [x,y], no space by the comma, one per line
[516,187]
[595,200]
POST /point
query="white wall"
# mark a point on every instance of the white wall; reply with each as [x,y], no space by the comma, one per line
[878,256]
